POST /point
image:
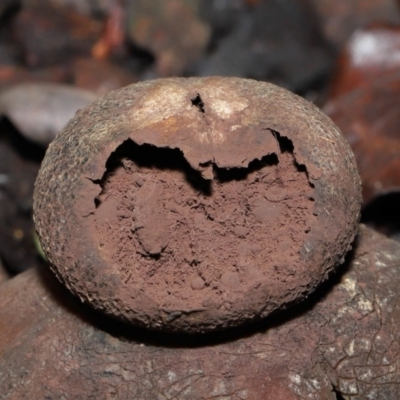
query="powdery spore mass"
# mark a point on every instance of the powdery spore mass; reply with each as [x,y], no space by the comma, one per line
[189,242]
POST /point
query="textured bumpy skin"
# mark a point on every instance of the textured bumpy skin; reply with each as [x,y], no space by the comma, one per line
[140,243]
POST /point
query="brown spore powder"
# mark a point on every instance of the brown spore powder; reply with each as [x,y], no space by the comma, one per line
[191,242]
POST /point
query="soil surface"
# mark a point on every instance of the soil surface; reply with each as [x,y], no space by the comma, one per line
[189,242]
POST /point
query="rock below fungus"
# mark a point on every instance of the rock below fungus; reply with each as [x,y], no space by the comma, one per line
[197,204]
[342,343]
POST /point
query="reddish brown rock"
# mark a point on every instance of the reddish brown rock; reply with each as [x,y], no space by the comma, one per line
[369,54]
[341,18]
[345,338]
[369,119]
[238,182]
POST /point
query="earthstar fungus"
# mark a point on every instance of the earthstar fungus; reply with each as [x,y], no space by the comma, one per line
[195,204]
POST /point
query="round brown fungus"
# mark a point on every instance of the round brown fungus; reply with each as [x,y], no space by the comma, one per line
[197,204]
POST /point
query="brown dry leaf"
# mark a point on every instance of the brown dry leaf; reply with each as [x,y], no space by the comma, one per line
[369,54]
[100,76]
[345,341]
[11,75]
[340,18]
[40,110]
[113,37]
[370,120]
[49,34]
[171,30]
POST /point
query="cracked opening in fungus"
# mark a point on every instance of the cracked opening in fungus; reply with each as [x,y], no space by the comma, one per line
[196,241]
[198,102]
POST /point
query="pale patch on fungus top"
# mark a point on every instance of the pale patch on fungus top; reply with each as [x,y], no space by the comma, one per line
[223,102]
[160,103]
[224,109]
